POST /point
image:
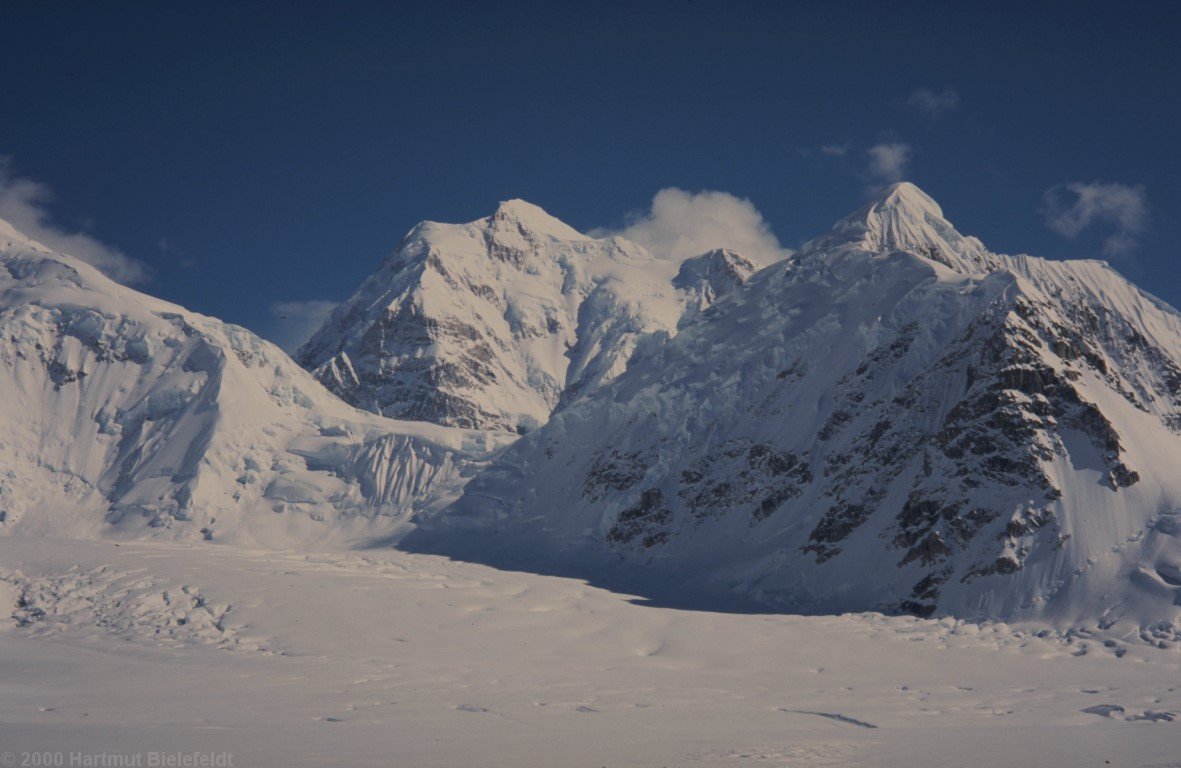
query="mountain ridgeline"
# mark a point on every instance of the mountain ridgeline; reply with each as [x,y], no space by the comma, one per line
[893,418]
[127,416]
[493,324]
[896,419]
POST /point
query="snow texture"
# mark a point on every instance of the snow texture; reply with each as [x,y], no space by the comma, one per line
[383,658]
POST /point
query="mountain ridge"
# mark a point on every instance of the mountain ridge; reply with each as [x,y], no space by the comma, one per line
[893,419]
[497,322]
[129,416]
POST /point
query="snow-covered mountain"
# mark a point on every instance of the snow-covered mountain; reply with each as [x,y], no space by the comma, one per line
[493,324]
[126,415]
[706,277]
[896,419]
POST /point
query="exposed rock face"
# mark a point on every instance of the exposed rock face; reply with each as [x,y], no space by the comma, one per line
[493,324]
[712,274]
[895,418]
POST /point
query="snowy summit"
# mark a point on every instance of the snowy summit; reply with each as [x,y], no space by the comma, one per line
[493,324]
[894,419]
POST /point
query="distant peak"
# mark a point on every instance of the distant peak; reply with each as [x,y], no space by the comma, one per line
[718,253]
[720,256]
[527,217]
[907,196]
[902,217]
[517,207]
[720,267]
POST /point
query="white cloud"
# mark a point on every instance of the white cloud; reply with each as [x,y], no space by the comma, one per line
[1074,207]
[834,150]
[888,161]
[934,104]
[23,205]
[296,321]
[681,224]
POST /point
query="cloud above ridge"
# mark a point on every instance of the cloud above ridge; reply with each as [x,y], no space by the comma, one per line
[24,204]
[680,224]
[1122,209]
[888,161]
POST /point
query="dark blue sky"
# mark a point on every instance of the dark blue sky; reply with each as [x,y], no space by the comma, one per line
[280,150]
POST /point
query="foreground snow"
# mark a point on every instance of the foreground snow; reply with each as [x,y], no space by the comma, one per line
[387,658]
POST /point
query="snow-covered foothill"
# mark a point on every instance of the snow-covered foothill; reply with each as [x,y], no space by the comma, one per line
[126,415]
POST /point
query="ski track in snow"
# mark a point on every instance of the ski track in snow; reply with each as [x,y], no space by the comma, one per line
[834,716]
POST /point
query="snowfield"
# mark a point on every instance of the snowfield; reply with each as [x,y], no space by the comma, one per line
[391,659]
[629,481]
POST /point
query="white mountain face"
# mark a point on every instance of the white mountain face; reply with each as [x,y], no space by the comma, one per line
[125,415]
[495,323]
[893,419]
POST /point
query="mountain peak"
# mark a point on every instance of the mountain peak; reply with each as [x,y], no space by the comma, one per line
[713,273]
[527,217]
[899,217]
[714,262]
[902,217]
[906,196]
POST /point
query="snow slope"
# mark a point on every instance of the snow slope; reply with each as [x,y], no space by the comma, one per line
[383,658]
[894,419]
[127,415]
[493,324]
[999,427]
